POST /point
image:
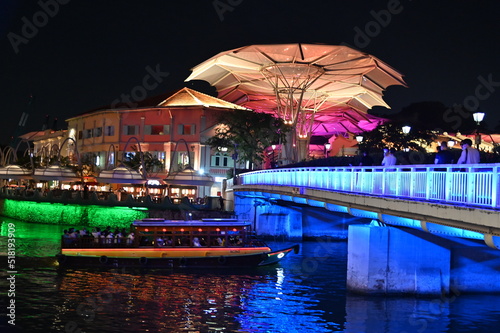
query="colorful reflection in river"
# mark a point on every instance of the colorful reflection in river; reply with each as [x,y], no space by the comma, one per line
[305,293]
[190,301]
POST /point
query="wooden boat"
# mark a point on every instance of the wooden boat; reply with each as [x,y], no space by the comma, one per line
[159,243]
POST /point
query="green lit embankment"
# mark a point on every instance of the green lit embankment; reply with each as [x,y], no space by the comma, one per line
[71,214]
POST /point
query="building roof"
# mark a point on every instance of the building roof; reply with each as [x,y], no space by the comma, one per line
[183,97]
[190,97]
[39,135]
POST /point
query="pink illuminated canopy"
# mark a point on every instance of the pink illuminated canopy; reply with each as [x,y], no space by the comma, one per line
[301,83]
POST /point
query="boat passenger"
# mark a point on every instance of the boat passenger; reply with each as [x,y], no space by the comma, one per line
[130,238]
[66,238]
[238,240]
[96,232]
[109,238]
[73,233]
[160,242]
[118,238]
[196,242]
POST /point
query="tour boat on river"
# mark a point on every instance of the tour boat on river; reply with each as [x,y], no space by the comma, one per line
[159,243]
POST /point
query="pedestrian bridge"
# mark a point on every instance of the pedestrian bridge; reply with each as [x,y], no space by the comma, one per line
[462,201]
[445,202]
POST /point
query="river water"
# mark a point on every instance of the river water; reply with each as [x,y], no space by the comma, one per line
[304,293]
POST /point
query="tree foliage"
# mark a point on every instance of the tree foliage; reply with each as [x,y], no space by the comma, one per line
[248,134]
[391,135]
[133,160]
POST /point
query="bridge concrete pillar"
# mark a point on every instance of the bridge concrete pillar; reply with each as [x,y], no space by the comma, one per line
[279,221]
[386,260]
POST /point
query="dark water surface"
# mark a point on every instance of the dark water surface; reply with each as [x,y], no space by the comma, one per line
[304,293]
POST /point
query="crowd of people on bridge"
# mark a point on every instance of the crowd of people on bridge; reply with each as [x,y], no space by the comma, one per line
[444,155]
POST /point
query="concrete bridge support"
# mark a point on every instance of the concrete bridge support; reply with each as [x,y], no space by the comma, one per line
[279,222]
[388,260]
[293,221]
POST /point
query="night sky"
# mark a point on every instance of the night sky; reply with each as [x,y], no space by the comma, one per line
[86,54]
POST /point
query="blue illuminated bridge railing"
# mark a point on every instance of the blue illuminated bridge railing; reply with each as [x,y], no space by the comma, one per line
[466,185]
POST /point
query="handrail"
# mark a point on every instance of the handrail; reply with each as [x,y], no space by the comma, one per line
[465,184]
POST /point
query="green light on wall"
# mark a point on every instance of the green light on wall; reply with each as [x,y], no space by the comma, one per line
[77,215]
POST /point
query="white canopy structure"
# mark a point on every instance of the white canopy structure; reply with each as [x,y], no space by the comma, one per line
[297,81]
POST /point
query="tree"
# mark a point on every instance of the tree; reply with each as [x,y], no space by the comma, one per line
[151,163]
[248,134]
[436,116]
[391,135]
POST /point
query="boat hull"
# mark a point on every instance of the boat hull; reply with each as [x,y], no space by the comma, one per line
[155,258]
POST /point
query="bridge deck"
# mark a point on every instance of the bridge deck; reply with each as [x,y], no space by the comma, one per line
[463,197]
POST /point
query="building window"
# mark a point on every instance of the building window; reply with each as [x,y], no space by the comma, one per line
[221,160]
[87,134]
[187,129]
[98,132]
[131,130]
[80,135]
[109,131]
[157,129]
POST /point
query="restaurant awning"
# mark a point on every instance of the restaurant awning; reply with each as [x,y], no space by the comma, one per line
[189,176]
[15,172]
[121,175]
[55,172]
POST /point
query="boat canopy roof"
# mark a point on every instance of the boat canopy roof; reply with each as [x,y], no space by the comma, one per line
[159,222]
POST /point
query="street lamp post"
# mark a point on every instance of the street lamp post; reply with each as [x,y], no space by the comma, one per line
[235,158]
[478,118]
[406,129]
[359,139]
[273,164]
[328,145]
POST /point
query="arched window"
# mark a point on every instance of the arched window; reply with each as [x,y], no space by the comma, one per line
[221,160]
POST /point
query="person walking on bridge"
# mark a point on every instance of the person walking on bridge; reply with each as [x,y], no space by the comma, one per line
[469,154]
[444,155]
[389,158]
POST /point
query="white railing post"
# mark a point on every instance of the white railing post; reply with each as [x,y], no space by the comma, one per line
[428,183]
[494,187]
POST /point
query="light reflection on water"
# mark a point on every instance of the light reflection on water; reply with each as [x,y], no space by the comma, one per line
[304,293]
